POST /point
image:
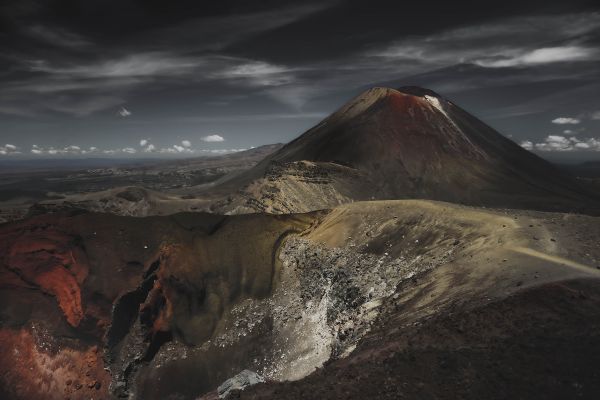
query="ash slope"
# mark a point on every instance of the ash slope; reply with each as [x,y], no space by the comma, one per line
[405,143]
[173,306]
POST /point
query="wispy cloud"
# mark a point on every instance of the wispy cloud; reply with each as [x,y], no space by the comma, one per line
[56,36]
[544,55]
[257,73]
[134,65]
[508,43]
[84,89]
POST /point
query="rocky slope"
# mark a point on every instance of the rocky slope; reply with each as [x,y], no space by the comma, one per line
[102,306]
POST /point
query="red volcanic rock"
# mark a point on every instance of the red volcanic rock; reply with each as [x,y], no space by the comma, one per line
[32,371]
[50,260]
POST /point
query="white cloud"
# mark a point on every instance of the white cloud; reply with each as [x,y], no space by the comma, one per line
[213,138]
[123,112]
[186,143]
[74,150]
[595,115]
[182,149]
[582,145]
[540,56]
[562,143]
[168,150]
[223,151]
[258,73]
[510,42]
[67,150]
[8,149]
[143,142]
[133,65]
[566,121]
[527,145]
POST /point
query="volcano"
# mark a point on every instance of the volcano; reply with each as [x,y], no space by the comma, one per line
[412,143]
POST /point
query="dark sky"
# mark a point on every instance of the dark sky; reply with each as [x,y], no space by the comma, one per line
[137,78]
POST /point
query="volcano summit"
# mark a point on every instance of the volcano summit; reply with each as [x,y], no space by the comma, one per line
[405,143]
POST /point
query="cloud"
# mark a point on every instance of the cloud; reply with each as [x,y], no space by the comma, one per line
[147,146]
[67,150]
[183,148]
[84,89]
[566,121]
[257,73]
[560,143]
[512,42]
[223,151]
[80,106]
[56,36]
[123,112]
[190,54]
[213,138]
[595,116]
[540,56]
[132,65]
[527,144]
[186,143]
[9,149]
[75,150]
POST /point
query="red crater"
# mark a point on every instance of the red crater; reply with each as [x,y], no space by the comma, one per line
[50,260]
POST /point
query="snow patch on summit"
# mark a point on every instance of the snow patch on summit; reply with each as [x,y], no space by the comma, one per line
[435,102]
